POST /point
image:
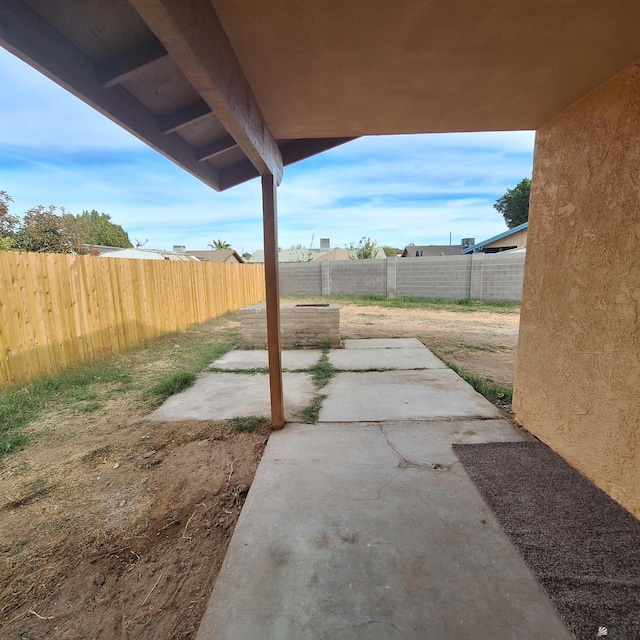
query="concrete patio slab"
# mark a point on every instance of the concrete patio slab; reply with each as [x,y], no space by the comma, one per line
[222,396]
[384,343]
[374,531]
[402,395]
[404,358]
[258,358]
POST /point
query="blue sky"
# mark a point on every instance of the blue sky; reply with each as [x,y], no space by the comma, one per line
[396,189]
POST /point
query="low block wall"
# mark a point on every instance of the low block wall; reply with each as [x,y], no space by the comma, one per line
[478,276]
[300,326]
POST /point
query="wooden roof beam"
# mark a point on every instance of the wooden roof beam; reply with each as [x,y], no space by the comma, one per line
[193,113]
[192,34]
[292,151]
[215,148]
[30,38]
[127,65]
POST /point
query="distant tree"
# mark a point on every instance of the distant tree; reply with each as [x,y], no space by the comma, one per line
[44,230]
[391,252]
[98,229]
[246,255]
[219,244]
[8,222]
[514,204]
[365,250]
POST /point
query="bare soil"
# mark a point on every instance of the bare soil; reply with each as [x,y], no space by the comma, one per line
[115,528]
[484,343]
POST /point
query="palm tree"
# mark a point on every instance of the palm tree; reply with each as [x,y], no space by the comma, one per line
[219,244]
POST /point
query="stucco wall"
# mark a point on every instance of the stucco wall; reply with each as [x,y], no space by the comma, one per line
[578,373]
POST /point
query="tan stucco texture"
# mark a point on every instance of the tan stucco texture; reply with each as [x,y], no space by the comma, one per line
[578,372]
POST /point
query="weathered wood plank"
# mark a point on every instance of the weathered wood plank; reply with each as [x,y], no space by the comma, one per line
[192,34]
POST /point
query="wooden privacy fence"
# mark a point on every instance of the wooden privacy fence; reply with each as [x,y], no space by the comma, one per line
[57,310]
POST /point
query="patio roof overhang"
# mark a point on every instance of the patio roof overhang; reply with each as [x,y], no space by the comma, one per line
[233,90]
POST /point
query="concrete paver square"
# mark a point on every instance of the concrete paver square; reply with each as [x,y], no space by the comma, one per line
[384,343]
[341,539]
[259,358]
[222,396]
[385,359]
[402,395]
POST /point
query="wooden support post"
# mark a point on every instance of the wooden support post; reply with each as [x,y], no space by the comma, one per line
[270,225]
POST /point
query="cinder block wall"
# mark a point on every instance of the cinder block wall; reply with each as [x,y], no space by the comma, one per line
[434,277]
[497,277]
[300,278]
[490,277]
[357,277]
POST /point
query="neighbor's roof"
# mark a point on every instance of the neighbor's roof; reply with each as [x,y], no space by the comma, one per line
[500,236]
[217,255]
[334,254]
[230,90]
[138,254]
[426,250]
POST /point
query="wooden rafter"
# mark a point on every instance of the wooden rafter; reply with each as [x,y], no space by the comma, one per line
[130,63]
[33,40]
[193,36]
[193,113]
[215,148]
[292,151]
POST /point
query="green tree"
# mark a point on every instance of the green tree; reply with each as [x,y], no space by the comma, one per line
[246,255]
[98,229]
[365,250]
[391,252]
[219,244]
[44,230]
[8,222]
[514,204]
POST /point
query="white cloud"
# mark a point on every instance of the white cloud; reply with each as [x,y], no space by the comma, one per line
[396,189]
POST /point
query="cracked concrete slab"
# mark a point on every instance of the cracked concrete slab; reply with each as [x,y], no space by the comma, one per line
[354,531]
[222,396]
[402,395]
[366,359]
[259,358]
[384,343]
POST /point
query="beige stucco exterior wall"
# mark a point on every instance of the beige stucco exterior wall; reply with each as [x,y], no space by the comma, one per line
[578,371]
[517,239]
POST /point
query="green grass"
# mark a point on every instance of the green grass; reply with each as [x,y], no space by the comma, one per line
[322,371]
[85,389]
[173,383]
[310,414]
[246,424]
[463,305]
[498,394]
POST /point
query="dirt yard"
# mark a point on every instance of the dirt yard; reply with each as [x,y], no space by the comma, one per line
[484,343]
[115,528]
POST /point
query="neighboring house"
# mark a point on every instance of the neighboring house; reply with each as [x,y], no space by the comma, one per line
[379,255]
[334,254]
[515,238]
[147,254]
[310,255]
[424,251]
[217,255]
[288,255]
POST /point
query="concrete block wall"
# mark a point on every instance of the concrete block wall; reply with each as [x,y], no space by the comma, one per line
[434,277]
[357,277]
[301,278]
[479,276]
[300,327]
[497,277]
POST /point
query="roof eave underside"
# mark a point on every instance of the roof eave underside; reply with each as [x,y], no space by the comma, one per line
[117,65]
